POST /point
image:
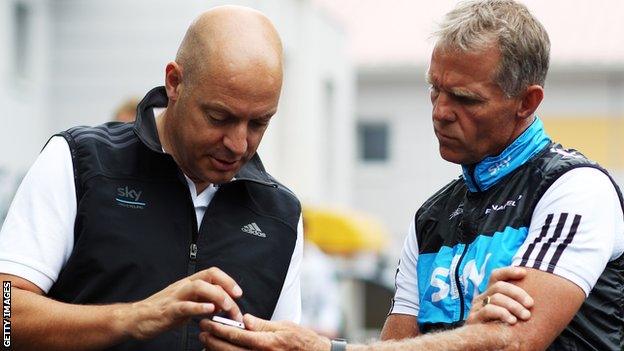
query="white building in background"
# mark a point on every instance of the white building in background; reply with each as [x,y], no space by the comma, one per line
[71,62]
[24,58]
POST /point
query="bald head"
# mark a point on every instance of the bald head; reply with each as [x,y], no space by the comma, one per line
[223,89]
[228,40]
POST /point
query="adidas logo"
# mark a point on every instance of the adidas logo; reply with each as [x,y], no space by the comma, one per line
[253,229]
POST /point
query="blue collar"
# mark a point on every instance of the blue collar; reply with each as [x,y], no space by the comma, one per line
[481,176]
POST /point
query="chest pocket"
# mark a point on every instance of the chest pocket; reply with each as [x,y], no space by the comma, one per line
[129,243]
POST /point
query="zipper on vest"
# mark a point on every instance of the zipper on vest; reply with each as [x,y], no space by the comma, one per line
[192,254]
[190,271]
[192,258]
[458,284]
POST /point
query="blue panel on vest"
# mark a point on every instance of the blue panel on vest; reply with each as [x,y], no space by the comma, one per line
[438,292]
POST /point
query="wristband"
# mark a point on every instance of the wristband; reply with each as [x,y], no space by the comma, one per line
[338,345]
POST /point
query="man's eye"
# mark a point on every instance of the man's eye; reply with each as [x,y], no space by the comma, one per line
[259,123]
[216,119]
[466,100]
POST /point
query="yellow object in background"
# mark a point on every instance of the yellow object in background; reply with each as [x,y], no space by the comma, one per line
[600,138]
[341,231]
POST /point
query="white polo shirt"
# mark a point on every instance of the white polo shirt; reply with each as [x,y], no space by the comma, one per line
[38,233]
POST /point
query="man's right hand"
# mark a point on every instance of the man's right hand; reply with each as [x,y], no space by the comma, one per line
[502,301]
[205,292]
[41,323]
[260,334]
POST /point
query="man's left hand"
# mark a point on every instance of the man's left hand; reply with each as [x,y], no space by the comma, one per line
[261,335]
[506,302]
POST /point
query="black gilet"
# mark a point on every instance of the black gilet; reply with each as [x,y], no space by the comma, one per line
[136,233]
[463,235]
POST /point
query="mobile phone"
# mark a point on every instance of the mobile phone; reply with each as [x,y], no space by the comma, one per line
[230,322]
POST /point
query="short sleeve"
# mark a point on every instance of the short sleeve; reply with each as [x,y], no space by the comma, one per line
[289,302]
[405,299]
[38,233]
[577,227]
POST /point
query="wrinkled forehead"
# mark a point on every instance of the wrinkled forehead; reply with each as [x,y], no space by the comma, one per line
[479,63]
[464,72]
[244,77]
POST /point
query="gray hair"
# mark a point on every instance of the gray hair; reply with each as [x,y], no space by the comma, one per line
[521,38]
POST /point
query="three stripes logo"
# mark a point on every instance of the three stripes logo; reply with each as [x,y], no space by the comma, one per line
[546,244]
[253,229]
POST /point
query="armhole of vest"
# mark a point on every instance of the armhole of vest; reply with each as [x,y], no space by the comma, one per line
[618,191]
[72,150]
[544,187]
[425,205]
[416,216]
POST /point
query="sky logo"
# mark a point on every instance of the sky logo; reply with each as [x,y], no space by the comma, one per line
[454,275]
[129,198]
[443,279]
[504,163]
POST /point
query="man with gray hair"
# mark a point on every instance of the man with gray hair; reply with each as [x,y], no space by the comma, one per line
[522,201]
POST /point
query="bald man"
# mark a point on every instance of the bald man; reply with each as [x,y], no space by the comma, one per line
[122,236]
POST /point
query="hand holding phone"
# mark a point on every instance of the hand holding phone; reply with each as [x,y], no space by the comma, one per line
[230,322]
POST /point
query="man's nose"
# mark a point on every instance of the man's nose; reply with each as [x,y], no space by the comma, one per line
[235,139]
[442,108]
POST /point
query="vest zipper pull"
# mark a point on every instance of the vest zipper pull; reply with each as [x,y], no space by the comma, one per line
[193,251]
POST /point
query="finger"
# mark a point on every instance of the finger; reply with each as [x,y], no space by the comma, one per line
[493,312]
[199,290]
[507,273]
[216,276]
[258,324]
[513,291]
[511,305]
[213,343]
[204,325]
[190,308]
[239,337]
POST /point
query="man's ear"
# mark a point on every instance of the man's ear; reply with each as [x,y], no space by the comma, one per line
[173,80]
[530,100]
